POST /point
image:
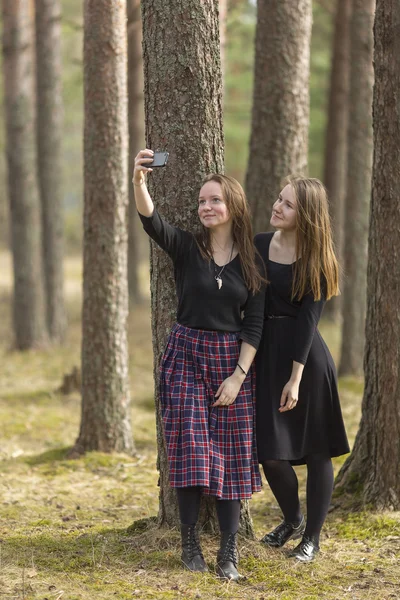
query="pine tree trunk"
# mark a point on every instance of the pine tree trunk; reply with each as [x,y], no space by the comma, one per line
[358,189]
[223,15]
[19,76]
[49,134]
[136,136]
[105,421]
[373,467]
[335,169]
[280,115]
[183,115]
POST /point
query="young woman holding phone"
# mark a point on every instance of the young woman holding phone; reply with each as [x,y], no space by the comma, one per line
[207,382]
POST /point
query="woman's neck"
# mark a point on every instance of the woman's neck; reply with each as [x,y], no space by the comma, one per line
[221,238]
[287,239]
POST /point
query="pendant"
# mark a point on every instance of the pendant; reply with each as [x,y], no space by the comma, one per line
[219,281]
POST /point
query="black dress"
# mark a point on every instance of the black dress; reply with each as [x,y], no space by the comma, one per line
[315,425]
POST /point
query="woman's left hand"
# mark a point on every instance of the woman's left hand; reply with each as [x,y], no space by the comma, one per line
[228,391]
[290,396]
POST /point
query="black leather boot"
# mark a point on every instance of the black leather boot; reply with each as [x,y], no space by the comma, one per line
[192,556]
[306,551]
[228,557]
[283,533]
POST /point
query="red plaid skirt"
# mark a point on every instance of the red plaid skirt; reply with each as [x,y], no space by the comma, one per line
[211,447]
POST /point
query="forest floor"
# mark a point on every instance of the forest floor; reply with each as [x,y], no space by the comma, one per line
[63,523]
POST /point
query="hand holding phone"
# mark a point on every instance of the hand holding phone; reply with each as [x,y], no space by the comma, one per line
[160,159]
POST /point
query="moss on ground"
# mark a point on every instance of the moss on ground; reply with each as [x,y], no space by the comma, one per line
[367,526]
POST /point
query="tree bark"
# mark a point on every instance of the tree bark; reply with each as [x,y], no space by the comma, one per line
[335,169]
[136,136]
[360,145]
[280,115]
[19,76]
[105,421]
[49,134]
[183,116]
[223,15]
[372,469]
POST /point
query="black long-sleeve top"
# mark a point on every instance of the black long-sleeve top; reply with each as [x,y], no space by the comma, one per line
[201,305]
[278,301]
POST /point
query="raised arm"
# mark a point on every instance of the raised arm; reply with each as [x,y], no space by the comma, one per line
[144,203]
[171,239]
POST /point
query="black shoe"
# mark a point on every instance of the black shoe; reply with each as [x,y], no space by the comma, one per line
[305,551]
[192,556]
[228,557]
[284,532]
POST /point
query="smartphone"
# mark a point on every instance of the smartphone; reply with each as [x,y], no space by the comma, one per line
[160,159]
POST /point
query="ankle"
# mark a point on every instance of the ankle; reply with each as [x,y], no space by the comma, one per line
[298,521]
[312,537]
[295,522]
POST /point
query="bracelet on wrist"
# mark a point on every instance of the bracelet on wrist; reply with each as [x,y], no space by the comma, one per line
[241,368]
[138,184]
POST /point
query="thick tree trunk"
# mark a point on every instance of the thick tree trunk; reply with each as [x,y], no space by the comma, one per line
[335,169]
[280,116]
[19,77]
[358,189]
[373,466]
[223,15]
[183,115]
[49,133]
[105,423]
[136,135]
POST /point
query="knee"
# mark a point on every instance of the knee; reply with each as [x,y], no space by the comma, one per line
[271,466]
[320,459]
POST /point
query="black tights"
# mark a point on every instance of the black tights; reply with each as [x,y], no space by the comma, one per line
[228,511]
[283,482]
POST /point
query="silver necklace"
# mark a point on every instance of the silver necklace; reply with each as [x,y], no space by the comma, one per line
[217,275]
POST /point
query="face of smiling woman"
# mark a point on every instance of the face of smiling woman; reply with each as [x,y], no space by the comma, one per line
[212,210]
[284,210]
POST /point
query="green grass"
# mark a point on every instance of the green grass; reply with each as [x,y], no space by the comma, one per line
[84,529]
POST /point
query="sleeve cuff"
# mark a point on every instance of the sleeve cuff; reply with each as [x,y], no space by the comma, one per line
[250,341]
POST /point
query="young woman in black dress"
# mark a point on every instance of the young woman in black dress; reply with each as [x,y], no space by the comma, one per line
[207,385]
[298,413]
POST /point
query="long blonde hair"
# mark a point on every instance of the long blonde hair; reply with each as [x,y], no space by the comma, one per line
[314,244]
[242,232]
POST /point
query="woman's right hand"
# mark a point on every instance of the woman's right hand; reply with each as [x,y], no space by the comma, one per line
[139,172]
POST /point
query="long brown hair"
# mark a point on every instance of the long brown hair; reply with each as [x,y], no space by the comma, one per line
[318,264]
[242,232]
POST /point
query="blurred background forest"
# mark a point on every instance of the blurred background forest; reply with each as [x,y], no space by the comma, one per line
[240,33]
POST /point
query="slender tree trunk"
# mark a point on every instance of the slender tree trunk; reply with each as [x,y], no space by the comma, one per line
[183,115]
[372,469]
[280,116]
[49,133]
[19,77]
[358,192]
[105,423]
[335,169]
[136,135]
